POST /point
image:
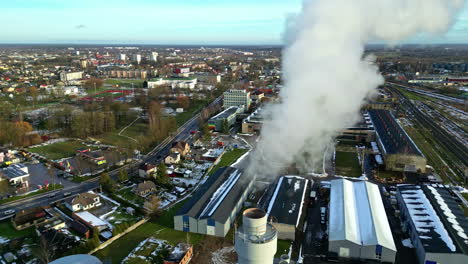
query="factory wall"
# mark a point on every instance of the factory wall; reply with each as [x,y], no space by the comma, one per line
[398,162]
[345,248]
[285,231]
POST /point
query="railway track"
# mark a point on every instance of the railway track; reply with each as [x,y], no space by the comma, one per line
[443,138]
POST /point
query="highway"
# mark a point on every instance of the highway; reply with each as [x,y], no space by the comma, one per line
[154,156]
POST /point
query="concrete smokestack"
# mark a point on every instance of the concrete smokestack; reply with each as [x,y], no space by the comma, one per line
[256,240]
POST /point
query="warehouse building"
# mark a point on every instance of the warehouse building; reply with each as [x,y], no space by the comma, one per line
[286,205]
[237,98]
[216,204]
[358,225]
[229,115]
[436,223]
[399,152]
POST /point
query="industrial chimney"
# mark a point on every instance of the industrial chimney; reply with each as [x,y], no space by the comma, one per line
[256,239]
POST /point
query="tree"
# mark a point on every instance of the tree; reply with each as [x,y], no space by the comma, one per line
[183,101]
[34,93]
[107,183]
[225,127]
[151,207]
[123,175]
[93,83]
[161,175]
[44,251]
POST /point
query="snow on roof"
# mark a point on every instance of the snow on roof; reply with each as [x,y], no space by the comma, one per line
[357,214]
[219,195]
[287,200]
[424,217]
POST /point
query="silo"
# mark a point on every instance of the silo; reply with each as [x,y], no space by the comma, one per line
[256,239]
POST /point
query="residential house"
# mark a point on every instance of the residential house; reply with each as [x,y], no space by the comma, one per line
[181,147]
[146,169]
[145,188]
[84,201]
[172,158]
[16,174]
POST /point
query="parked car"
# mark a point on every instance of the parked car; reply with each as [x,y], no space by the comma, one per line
[9,212]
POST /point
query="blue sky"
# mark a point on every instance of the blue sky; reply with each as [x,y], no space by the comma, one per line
[160,22]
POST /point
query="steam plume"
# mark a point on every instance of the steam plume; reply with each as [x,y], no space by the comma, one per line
[327,78]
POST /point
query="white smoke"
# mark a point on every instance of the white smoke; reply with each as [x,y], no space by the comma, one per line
[326,76]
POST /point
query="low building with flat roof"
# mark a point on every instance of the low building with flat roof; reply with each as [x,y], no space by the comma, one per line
[215,205]
[229,115]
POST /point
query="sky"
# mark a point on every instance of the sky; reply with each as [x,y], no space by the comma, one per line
[204,22]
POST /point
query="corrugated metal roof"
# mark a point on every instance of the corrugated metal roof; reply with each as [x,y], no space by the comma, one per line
[357,214]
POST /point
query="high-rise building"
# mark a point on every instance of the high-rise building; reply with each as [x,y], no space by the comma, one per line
[137,58]
[237,98]
[154,56]
[256,240]
[123,57]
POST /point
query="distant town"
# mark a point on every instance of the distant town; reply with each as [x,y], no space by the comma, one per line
[141,154]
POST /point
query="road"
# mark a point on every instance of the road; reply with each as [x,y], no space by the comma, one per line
[154,156]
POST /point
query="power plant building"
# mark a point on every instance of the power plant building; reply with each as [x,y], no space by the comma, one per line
[255,240]
[358,225]
[433,217]
[399,152]
[214,207]
[286,205]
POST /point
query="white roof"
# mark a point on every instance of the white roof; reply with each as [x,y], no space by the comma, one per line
[357,214]
[91,219]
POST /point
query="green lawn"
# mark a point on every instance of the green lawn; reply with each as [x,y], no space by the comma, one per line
[137,83]
[59,150]
[282,247]
[139,128]
[194,108]
[161,228]
[130,196]
[228,158]
[347,164]
[8,231]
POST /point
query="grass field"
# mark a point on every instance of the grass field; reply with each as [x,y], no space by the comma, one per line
[59,150]
[282,247]
[195,107]
[125,82]
[347,164]
[130,196]
[228,158]
[9,232]
[161,228]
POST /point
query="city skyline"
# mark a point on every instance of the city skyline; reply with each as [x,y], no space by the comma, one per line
[163,23]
